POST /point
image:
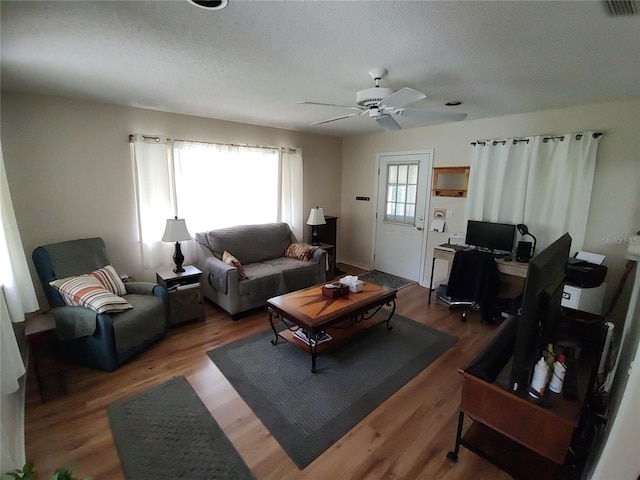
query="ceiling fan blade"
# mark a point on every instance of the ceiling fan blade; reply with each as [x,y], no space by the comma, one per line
[430,114]
[402,97]
[334,119]
[387,122]
[350,107]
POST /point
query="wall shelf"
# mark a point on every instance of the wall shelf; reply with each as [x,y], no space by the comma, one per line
[450,181]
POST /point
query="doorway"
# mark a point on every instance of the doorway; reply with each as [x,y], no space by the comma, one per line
[402,203]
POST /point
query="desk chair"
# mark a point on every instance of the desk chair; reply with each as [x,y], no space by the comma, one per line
[474,283]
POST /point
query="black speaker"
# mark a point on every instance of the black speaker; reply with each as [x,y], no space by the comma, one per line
[523,252]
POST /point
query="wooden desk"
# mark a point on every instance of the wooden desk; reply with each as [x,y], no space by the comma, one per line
[513,269]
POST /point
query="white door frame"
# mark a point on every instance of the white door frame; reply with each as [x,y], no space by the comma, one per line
[427,203]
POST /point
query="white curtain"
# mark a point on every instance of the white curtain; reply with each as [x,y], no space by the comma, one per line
[16,298]
[292,179]
[543,182]
[498,181]
[154,198]
[559,187]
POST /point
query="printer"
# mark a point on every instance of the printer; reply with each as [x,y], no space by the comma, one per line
[584,287]
[582,273]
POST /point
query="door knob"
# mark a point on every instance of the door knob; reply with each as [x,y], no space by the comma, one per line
[419,228]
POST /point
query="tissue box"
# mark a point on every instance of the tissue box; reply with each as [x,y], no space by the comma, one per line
[334,290]
[353,283]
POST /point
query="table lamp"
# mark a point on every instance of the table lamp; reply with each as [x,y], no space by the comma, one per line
[316,217]
[176,231]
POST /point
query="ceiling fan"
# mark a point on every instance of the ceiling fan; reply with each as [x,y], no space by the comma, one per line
[382,103]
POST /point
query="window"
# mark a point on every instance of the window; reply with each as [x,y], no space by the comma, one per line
[402,193]
[222,185]
[211,186]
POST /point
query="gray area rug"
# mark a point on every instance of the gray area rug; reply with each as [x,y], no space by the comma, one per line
[166,432]
[385,279]
[307,412]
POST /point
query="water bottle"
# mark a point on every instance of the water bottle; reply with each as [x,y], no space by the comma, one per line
[540,374]
[559,371]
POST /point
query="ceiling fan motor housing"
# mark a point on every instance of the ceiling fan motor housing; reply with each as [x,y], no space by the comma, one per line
[372,96]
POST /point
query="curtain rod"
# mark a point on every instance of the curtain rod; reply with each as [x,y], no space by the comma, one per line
[228,144]
[545,139]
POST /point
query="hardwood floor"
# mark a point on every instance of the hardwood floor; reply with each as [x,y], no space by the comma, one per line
[406,437]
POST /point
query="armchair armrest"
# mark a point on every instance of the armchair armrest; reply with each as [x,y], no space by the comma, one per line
[140,288]
[74,322]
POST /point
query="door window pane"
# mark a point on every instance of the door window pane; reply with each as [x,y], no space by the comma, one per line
[402,192]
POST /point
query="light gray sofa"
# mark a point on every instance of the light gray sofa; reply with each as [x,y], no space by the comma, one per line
[261,251]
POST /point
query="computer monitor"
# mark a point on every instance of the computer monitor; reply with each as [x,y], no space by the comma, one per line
[496,237]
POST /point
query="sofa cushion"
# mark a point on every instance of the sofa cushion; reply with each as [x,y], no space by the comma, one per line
[277,276]
[229,259]
[251,243]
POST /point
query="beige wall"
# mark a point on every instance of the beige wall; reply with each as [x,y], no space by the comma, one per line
[69,167]
[614,210]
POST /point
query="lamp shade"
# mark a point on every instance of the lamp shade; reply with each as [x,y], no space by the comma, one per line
[316,217]
[176,231]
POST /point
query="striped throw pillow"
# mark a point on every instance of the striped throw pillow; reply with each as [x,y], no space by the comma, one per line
[299,251]
[110,280]
[87,291]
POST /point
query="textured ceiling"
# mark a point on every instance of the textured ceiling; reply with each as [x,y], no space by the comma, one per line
[252,61]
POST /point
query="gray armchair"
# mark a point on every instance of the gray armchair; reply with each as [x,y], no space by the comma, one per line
[99,340]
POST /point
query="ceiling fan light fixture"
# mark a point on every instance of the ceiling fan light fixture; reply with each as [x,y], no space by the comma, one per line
[372,96]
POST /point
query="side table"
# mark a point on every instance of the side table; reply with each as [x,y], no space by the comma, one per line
[185,293]
[331,255]
[39,331]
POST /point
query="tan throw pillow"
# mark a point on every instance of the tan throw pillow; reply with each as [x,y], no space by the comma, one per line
[299,251]
[233,261]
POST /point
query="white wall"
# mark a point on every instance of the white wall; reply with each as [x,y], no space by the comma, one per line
[614,210]
[69,168]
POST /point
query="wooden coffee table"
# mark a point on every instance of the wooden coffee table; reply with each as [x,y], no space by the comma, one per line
[314,313]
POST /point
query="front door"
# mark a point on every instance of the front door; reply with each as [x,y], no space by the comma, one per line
[403,194]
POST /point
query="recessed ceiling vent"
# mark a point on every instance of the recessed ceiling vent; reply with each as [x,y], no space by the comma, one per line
[210,4]
[617,8]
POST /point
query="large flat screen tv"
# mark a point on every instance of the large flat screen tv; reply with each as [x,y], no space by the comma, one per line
[540,313]
[495,237]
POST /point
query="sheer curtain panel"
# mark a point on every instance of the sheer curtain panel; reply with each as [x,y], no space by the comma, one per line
[17,298]
[154,197]
[292,178]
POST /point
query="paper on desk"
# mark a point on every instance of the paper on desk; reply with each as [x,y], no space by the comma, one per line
[590,257]
[437,225]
